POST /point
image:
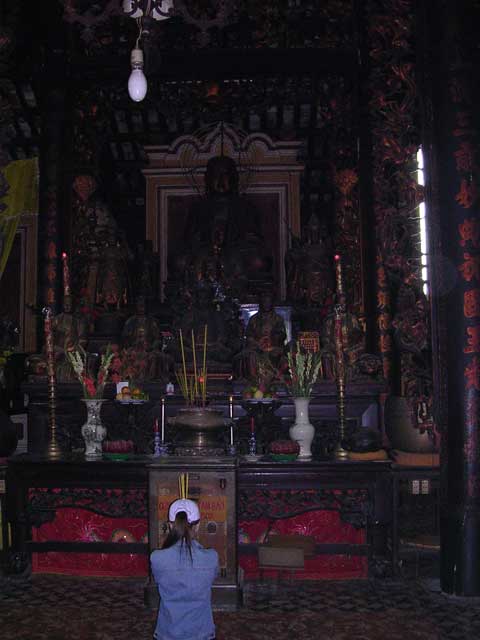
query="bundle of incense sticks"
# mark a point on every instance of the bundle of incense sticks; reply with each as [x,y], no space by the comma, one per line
[194,387]
[183,486]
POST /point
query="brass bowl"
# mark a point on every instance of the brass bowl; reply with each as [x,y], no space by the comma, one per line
[199,427]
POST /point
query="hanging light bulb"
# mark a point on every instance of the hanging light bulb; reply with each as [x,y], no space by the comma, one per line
[137,82]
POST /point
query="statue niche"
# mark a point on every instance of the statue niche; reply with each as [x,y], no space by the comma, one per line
[223,236]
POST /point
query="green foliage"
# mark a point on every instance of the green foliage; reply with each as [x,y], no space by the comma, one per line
[303,369]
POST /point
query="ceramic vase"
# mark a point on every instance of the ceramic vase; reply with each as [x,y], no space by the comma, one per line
[302,431]
[93,431]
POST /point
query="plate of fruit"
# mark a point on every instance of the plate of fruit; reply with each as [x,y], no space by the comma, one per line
[133,395]
[117,449]
[258,394]
[284,450]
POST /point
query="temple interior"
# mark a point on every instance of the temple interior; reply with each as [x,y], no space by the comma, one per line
[240,249]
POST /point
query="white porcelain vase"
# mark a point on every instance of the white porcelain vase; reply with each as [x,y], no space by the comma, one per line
[93,431]
[302,431]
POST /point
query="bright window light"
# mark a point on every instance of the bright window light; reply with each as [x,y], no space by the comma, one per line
[422,223]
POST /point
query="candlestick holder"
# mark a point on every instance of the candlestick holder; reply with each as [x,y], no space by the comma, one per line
[340,453]
[53,450]
[159,448]
[252,445]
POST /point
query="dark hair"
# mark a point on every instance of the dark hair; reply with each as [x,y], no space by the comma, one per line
[180,530]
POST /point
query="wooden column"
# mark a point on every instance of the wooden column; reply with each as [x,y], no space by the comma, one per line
[457,288]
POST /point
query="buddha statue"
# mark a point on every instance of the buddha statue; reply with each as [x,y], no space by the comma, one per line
[223,233]
[265,338]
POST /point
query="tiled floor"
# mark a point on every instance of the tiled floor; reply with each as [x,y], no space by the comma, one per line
[61,608]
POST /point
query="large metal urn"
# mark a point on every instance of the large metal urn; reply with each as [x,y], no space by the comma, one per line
[199,431]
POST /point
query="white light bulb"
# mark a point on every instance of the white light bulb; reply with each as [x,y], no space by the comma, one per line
[137,85]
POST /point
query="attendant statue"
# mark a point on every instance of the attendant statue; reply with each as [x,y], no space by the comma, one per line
[142,355]
[265,337]
[318,275]
[223,232]
[69,334]
[353,340]
[112,282]
[102,258]
[310,278]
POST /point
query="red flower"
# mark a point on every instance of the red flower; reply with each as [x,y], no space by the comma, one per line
[89,386]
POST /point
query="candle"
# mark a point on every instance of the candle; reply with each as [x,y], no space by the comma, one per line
[66,275]
[252,424]
[231,435]
[163,420]
[230,407]
[155,425]
[338,274]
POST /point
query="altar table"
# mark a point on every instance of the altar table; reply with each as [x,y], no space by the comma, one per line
[91,517]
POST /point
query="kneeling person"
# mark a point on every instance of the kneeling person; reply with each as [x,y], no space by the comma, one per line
[184,572]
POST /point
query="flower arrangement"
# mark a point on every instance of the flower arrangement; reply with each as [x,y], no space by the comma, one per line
[92,385]
[303,369]
[194,385]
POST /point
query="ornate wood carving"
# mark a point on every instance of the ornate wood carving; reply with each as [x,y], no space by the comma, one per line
[352,504]
[112,503]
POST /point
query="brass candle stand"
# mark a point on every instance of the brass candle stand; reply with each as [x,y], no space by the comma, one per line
[53,449]
[339,452]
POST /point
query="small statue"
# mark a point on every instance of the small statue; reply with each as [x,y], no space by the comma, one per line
[142,355]
[147,270]
[222,343]
[69,334]
[310,279]
[112,282]
[265,340]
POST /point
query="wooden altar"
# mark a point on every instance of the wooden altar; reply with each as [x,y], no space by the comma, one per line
[38,490]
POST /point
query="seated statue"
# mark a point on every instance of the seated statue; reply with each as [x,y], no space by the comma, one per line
[142,354]
[222,234]
[222,335]
[353,341]
[265,337]
[69,334]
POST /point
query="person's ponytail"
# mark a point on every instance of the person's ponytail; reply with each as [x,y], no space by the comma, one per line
[179,530]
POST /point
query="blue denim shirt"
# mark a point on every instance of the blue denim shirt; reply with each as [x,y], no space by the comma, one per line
[184,584]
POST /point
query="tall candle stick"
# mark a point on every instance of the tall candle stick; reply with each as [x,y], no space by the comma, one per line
[66,275]
[231,435]
[230,407]
[252,424]
[163,420]
[338,274]
[54,450]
